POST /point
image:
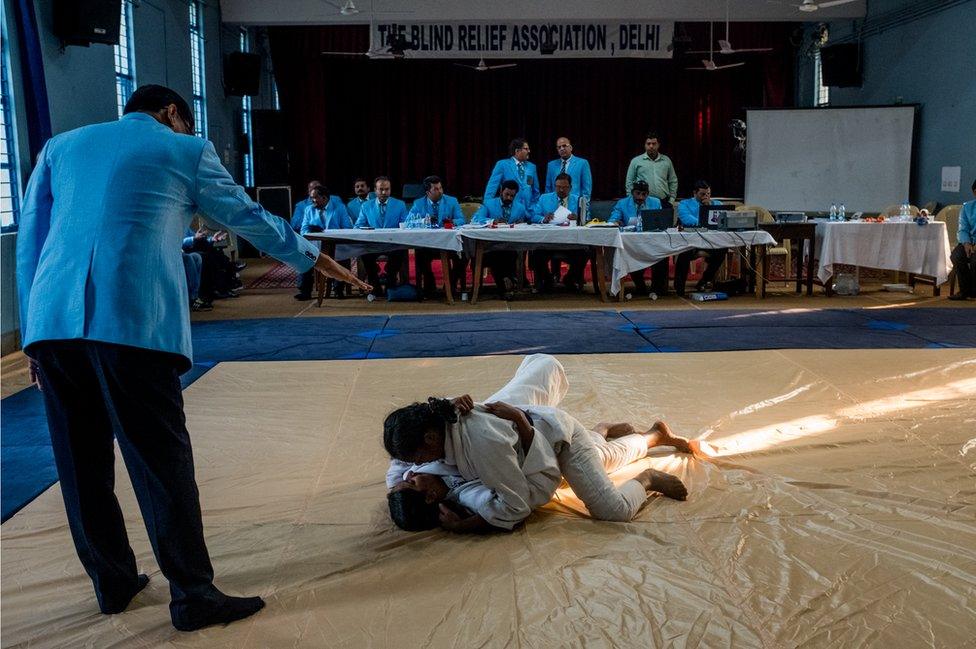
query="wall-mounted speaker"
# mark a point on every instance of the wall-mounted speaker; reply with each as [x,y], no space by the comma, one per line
[83,22]
[242,74]
[840,65]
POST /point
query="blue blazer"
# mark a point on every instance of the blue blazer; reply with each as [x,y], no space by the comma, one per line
[353,207]
[491,210]
[369,214]
[549,203]
[331,217]
[448,208]
[578,169]
[626,209]
[98,247]
[507,169]
[299,213]
[688,211]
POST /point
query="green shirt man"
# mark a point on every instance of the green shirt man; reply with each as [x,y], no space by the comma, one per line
[654,168]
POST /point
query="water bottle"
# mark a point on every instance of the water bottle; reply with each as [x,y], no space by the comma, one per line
[639,226]
[833,211]
[842,212]
[905,210]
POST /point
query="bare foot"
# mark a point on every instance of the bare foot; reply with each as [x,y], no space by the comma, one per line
[665,483]
[664,437]
[619,430]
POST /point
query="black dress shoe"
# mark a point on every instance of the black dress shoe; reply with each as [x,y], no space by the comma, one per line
[958,297]
[303,297]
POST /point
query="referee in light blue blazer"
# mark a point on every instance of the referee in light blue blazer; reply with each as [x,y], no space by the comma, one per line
[567,163]
[105,322]
[298,213]
[519,169]
[325,212]
[383,212]
[441,208]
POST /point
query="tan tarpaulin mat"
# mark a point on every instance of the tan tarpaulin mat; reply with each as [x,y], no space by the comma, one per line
[841,514]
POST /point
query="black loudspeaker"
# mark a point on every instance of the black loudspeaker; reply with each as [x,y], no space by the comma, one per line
[242,74]
[270,152]
[840,65]
[83,22]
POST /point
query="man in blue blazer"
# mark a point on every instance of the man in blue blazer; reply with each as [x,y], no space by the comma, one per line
[519,169]
[325,212]
[624,213]
[383,212]
[503,210]
[360,190]
[688,210]
[577,168]
[547,263]
[105,322]
[298,213]
[441,208]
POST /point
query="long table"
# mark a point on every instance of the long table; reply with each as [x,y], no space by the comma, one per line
[640,250]
[906,247]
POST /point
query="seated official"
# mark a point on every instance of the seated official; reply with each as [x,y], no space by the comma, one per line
[299,212]
[218,276]
[964,254]
[688,211]
[441,209]
[627,212]
[517,169]
[503,210]
[544,212]
[383,212]
[324,213]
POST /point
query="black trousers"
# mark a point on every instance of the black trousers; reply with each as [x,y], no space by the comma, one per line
[682,264]
[423,257]
[307,281]
[547,267]
[965,270]
[95,391]
[659,278]
[395,261]
[502,264]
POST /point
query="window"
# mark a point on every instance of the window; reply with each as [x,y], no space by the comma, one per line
[274,92]
[246,123]
[821,92]
[9,170]
[197,69]
[125,71]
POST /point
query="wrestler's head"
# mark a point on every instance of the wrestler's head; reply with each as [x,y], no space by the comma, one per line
[416,433]
[413,502]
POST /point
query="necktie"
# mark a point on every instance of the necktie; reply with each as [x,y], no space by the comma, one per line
[435,206]
[562,201]
[382,214]
[507,212]
[565,164]
[521,172]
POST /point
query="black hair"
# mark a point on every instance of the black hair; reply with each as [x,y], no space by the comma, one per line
[508,184]
[515,145]
[701,184]
[640,186]
[564,176]
[360,179]
[430,181]
[405,428]
[151,98]
[651,135]
[379,178]
[321,190]
[410,511]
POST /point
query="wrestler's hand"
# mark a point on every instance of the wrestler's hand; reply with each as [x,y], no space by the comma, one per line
[450,521]
[463,403]
[331,268]
[505,411]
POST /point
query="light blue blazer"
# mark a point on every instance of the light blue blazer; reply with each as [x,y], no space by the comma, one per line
[369,214]
[549,203]
[447,208]
[626,209]
[491,210]
[688,211]
[299,213]
[353,207]
[578,169]
[331,217]
[98,247]
[508,170]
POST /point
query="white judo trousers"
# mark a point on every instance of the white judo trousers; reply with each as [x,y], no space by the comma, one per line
[587,458]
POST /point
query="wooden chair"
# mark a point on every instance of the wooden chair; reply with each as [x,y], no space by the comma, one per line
[950,216]
[783,249]
[895,210]
[469,210]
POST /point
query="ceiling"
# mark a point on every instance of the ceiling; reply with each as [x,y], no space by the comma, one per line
[326,12]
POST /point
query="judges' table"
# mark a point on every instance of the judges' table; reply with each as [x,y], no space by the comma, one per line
[532,237]
[640,250]
[906,247]
[346,244]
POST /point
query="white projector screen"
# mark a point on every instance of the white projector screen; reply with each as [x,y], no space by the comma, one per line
[806,159]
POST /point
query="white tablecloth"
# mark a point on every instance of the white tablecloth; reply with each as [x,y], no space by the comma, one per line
[352,243]
[540,236]
[906,247]
[639,250]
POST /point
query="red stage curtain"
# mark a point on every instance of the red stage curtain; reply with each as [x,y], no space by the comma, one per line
[409,118]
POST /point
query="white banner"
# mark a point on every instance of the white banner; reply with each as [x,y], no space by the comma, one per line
[520,39]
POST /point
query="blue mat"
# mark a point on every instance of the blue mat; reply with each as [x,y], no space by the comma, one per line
[28,465]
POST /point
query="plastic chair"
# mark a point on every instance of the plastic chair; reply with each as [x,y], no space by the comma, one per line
[411,192]
[601,210]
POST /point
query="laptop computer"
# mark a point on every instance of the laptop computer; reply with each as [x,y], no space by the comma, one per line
[707,217]
[656,220]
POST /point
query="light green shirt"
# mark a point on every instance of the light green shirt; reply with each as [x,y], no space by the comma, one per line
[658,174]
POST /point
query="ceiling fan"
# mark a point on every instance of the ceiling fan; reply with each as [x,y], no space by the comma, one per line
[481,67]
[709,63]
[725,46]
[395,50]
[349,8]
[812,5]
